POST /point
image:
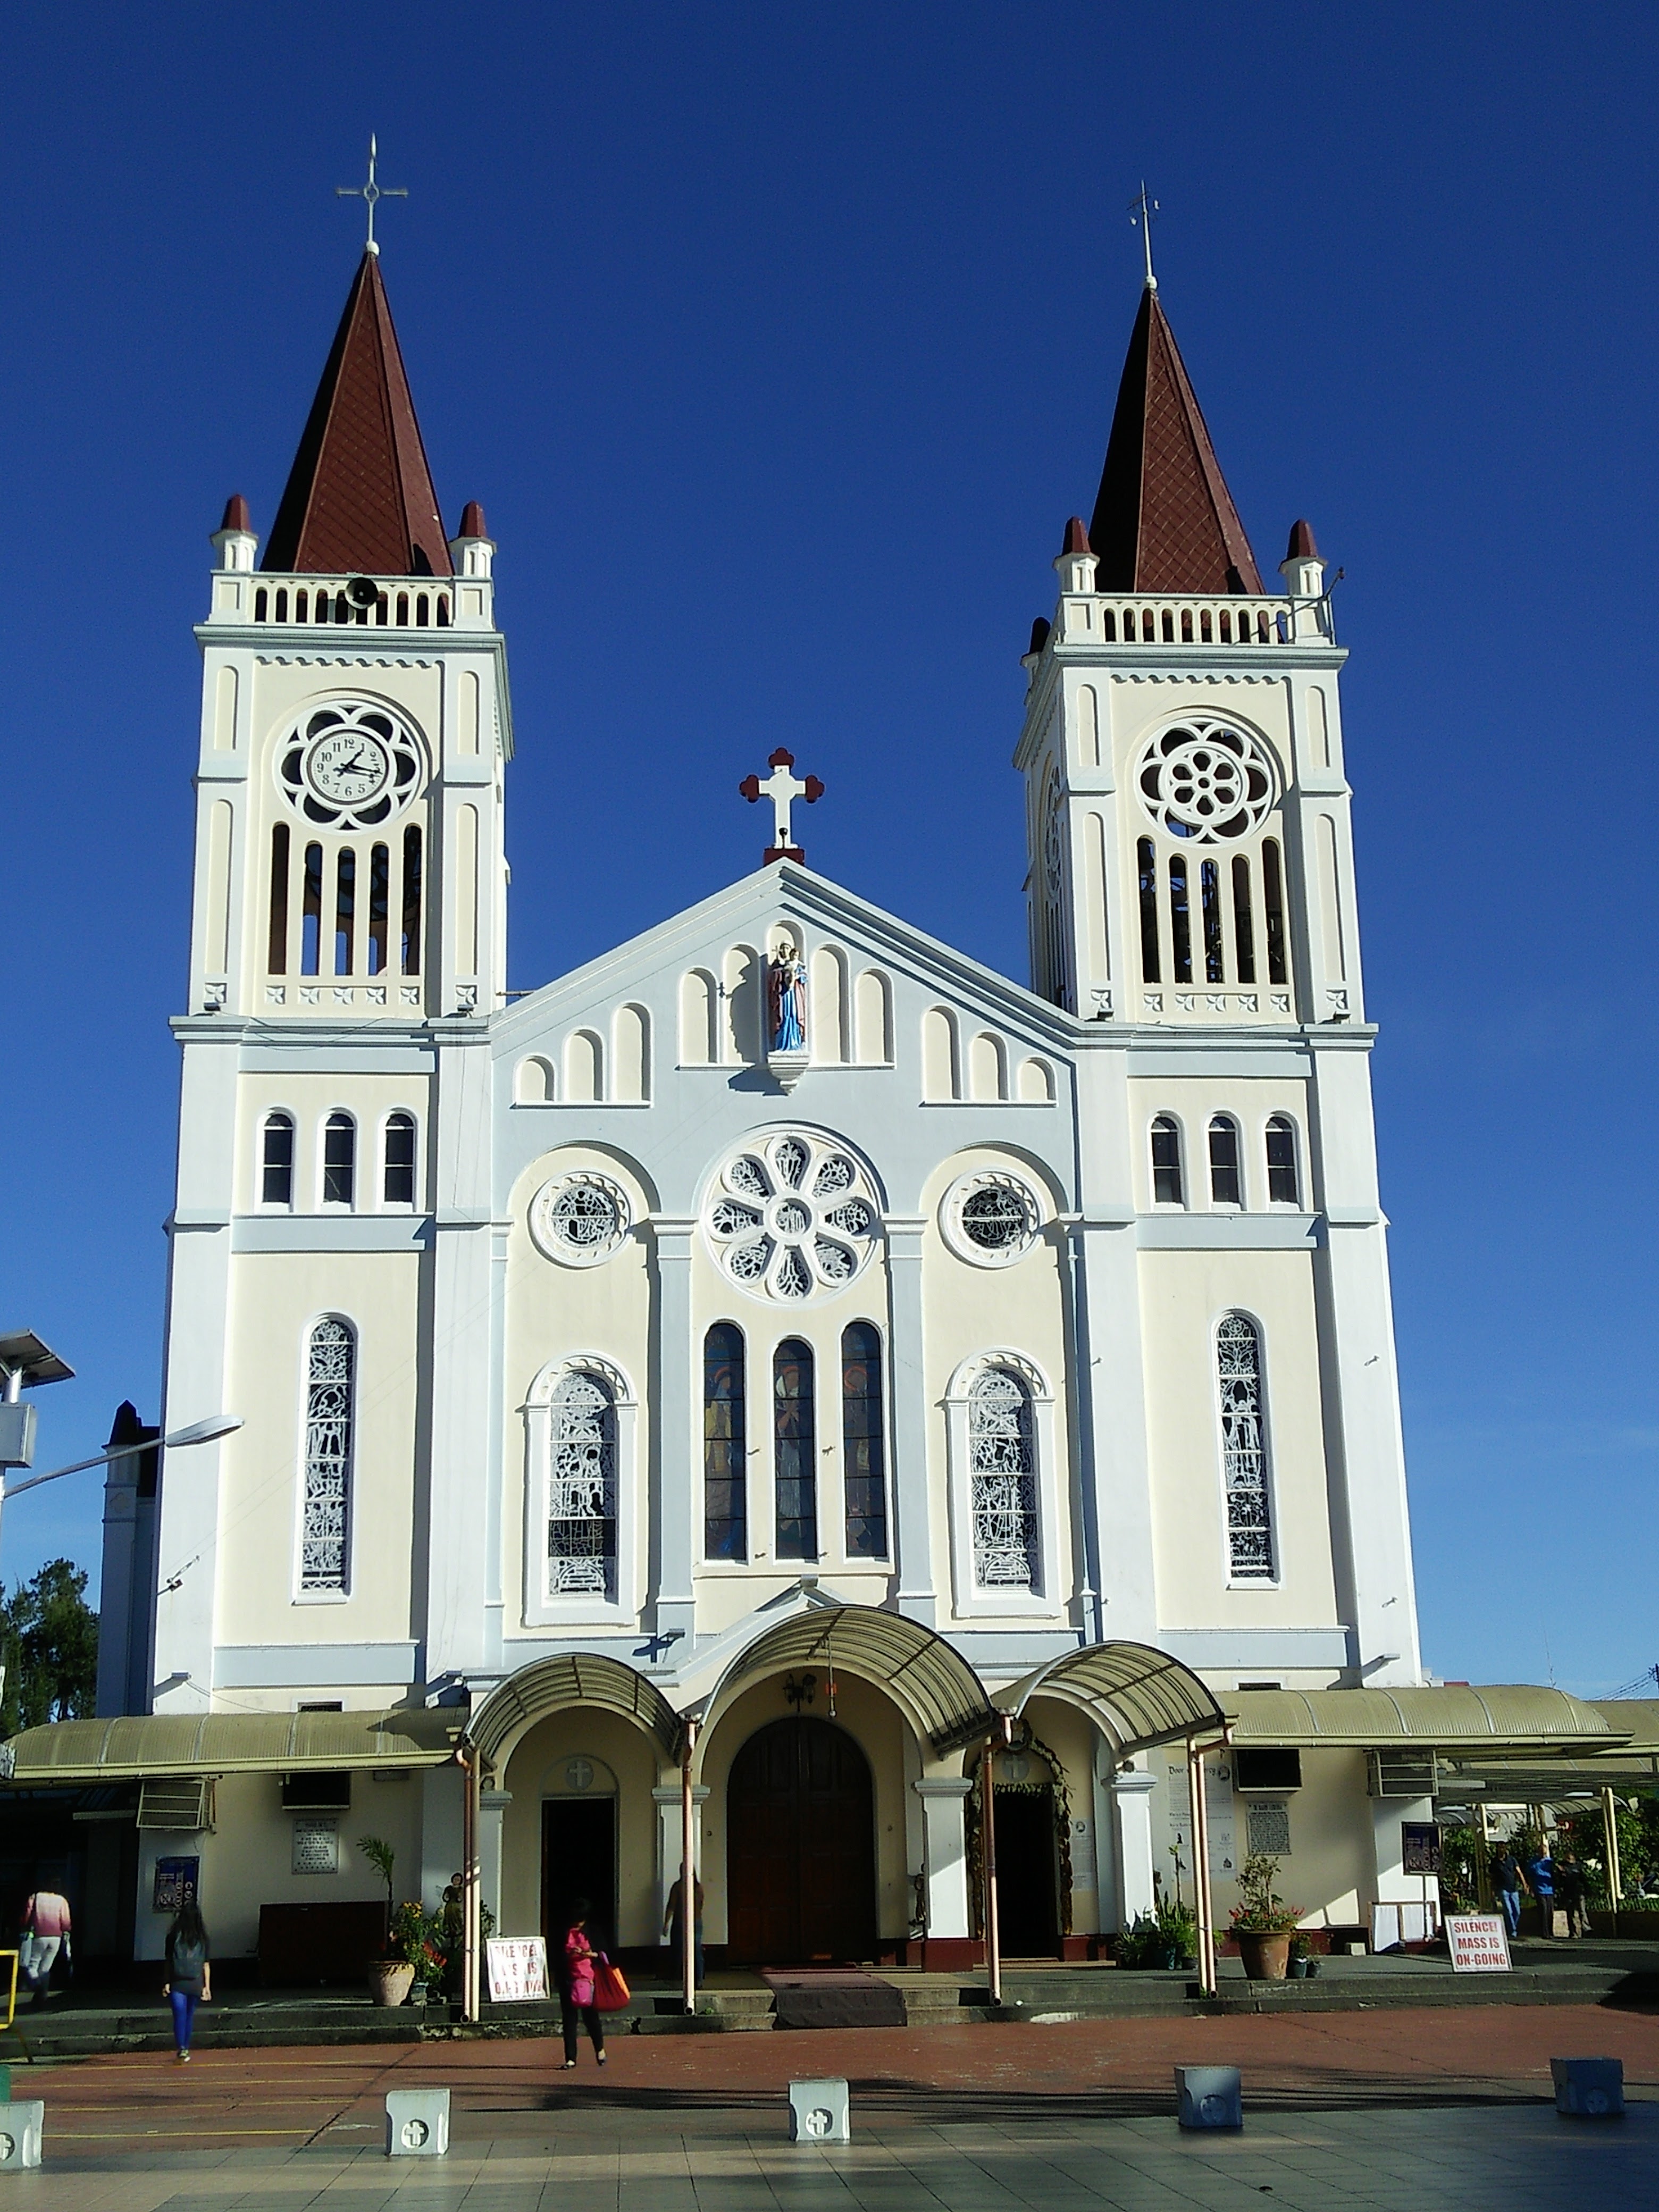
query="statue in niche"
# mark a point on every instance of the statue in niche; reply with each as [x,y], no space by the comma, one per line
[786,993]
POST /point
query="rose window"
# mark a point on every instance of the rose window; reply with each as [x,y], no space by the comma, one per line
[1207,781]
[579,1218]
[992,1219]
[792,1216]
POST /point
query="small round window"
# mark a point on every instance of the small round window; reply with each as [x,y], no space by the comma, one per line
[580,1220]
[992,1219]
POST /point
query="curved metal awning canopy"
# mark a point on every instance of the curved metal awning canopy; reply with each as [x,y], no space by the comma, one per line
[202,1744]
[1505,1718]
[932,1682]
[572,1677]
[1139,1695]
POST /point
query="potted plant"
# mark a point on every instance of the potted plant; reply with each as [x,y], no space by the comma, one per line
[418,1938]
[390,1975]
[1178,1927]
[1261,1922]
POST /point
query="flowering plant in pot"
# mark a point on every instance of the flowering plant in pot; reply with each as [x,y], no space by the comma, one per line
[390,1975]
[1261,1922]
[419,1940]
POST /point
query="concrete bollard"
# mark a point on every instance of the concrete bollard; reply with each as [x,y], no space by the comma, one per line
[819,2112]
[20,2127]
[417,2123]
[1589,2088]
[1209,2097]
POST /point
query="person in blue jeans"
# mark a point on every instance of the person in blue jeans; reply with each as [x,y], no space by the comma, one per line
[1507,1882]
[190,1978]
[1542,1871]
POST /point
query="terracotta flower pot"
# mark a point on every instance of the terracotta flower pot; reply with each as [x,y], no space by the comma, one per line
[389,1980]
[1267,1957]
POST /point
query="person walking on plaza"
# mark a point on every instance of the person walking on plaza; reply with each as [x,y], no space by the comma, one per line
[575,1976]
[674,1927]
[1542,1871]
[1570,1890]
[46,1932]
[1508,1882]
[190,1978]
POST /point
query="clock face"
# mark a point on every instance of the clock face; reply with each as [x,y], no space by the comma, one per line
[347,766]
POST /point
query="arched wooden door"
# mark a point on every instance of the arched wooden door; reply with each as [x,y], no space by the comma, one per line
[800,1855]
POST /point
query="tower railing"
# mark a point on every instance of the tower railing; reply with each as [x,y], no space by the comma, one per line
[1227,624]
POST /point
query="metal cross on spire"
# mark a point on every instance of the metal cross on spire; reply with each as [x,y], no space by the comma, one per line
[371,192]
[782,788]
[1142,212]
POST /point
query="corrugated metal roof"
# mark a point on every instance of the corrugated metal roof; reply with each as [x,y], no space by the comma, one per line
[1141,1697]
[232,1743]
[920,1670]
[1519,1716]
[573,1677]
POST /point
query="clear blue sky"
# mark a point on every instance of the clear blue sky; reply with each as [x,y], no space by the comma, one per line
[779,343]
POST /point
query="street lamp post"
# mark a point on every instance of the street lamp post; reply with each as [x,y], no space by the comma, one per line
[195,1432]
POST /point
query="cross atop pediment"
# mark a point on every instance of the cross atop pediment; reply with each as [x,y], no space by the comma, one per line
[783,786]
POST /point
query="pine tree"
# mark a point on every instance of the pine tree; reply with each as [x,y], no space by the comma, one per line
[49,1639]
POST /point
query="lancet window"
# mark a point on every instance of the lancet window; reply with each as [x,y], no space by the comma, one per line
[330,1373]
[582,1487]
[277,1160]
[725,1509]
[1283,1185]
[1245,1450]
[1225,1187]
[397,1164]
[1166,1162]
[339,1160]
[862,1442]
[1003,1456]
[794,1444]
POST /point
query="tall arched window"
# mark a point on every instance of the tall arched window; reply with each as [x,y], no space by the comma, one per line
[339,1160]
[1225,1188]
[277,1160]
[325,1526]
[861,1442]
[725,1490]
[397,1187]
[1284,1187]
[582,1487]
[1166,1163]
[794,1451]
[1004,1474]
[1245,1450]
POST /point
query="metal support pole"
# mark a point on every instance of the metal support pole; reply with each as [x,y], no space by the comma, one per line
[987,1831]
[1610,1833]
[469,1878]
[688,1876]
[1205,1909]
[1483,1888]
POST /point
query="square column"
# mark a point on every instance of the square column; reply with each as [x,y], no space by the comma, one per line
[668,1798]
[1132,1839]
[492,1808]
[908,1399]
[676,1472]
[944,1854]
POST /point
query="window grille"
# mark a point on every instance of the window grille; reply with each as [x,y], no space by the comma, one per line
[1225,1188]
[330,1375]
[398,1185]
[1166,1163]
[1003,1477]
[1245,1450]
[276,1161]
[581,1489]
[1283,1188]
[795,1442]
[862,1442]
[725,1511]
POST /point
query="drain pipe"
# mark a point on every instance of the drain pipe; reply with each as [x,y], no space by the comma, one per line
[688,1876]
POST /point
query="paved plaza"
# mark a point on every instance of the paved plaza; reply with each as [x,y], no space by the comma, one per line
[1407,2109]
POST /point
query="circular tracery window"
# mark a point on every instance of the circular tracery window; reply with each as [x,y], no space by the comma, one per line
[792,1216]
[349,765]
[1207,781]
[992,1219]
[580,1220]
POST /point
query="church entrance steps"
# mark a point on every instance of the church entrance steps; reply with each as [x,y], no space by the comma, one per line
[78,2029]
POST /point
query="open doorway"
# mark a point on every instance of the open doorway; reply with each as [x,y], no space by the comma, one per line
[1028,1923]
[578,1859]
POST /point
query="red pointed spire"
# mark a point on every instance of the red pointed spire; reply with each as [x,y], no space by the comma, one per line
[1164,521]
[359,496]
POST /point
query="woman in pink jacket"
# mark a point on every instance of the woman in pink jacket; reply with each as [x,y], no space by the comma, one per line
[576,1972]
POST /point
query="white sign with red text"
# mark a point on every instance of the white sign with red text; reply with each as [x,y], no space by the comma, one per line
[518,1969]
[1479,1943]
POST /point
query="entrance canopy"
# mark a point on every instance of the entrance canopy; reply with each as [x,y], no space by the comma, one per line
[573,1677]
[1138,1697]
[192,1744]
[933,1683]
[1491,1721]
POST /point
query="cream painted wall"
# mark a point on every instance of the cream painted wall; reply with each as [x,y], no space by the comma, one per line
[534,1772]
[1183,1295]
[275,1298]
[1191,1100]
[311,1099]
[1328,1873]
[969,1310]
[875,1725]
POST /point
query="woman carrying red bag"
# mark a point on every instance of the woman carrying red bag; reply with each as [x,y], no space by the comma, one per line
[575,1974]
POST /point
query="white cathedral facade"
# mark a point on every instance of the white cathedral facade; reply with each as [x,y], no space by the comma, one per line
[782,1315]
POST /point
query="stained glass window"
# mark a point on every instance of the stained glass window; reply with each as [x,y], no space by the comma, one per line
[1245,1450]
[861,1442]
[1004,1476]
[795,1442]
[581,1489]
[327,1509]
[724,1512]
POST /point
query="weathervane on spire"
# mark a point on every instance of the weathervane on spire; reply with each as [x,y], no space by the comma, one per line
[1142,211]
[783,786]
[370,193]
